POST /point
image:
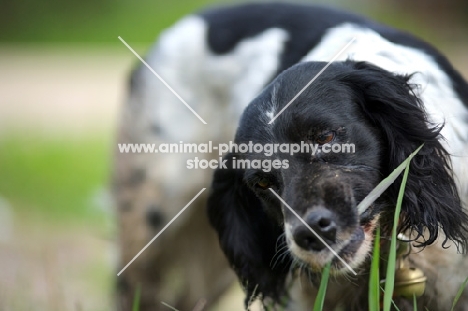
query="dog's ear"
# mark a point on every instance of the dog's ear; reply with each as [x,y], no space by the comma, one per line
[431,199]
[247,235]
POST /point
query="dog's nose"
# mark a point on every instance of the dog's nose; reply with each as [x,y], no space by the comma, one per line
[321,221]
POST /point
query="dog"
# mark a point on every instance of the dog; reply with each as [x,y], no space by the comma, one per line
[263,68]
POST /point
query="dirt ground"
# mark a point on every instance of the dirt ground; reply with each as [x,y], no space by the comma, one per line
[66,91]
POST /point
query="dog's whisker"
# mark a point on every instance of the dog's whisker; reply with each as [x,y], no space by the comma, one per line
[280,256]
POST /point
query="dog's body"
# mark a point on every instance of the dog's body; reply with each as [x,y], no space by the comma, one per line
[219,61]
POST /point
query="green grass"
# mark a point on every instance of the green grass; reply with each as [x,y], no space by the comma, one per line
[54,179]
[374,280]
[136,299]
[320,299]
[459,293]
[390,275]
[50,184]
[92,21]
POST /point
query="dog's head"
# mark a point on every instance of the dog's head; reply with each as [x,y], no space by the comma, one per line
[363,122]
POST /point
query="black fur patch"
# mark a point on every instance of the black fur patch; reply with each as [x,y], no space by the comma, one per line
[154,217]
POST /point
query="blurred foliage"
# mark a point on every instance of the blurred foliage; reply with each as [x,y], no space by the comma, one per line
[96,21]
[55,179]
[89,20]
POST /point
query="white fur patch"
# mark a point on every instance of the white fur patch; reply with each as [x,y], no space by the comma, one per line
[217,87]
[248,68]
[270,114]
[274,104]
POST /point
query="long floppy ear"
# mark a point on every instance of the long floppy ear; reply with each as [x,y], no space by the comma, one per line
[247,235]
[431,199]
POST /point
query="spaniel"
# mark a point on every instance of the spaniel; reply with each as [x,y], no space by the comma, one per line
[263,68]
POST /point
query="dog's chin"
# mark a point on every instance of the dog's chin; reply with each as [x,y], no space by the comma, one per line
[353,251]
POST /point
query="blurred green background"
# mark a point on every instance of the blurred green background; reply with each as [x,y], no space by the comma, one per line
[89,21]
[63,76]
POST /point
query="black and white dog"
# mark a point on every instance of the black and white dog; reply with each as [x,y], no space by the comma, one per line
[387,93]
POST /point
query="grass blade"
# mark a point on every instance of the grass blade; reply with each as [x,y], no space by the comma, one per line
[320,299]
[384,184]
[395,306]
[374,280]
[390,275]
[393,302]
[169,306]
[136,299]
[459,293]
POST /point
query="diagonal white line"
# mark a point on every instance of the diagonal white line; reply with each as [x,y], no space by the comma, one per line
[313,79]
[161,79]
[169,306]
[312,230]
[162,230]
[200,305]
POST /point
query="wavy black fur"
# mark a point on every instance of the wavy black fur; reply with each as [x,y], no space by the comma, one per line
[247,234]
[382,114]
[431,198]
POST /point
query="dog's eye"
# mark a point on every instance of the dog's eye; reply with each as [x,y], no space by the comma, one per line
[264,184]
[326,137]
